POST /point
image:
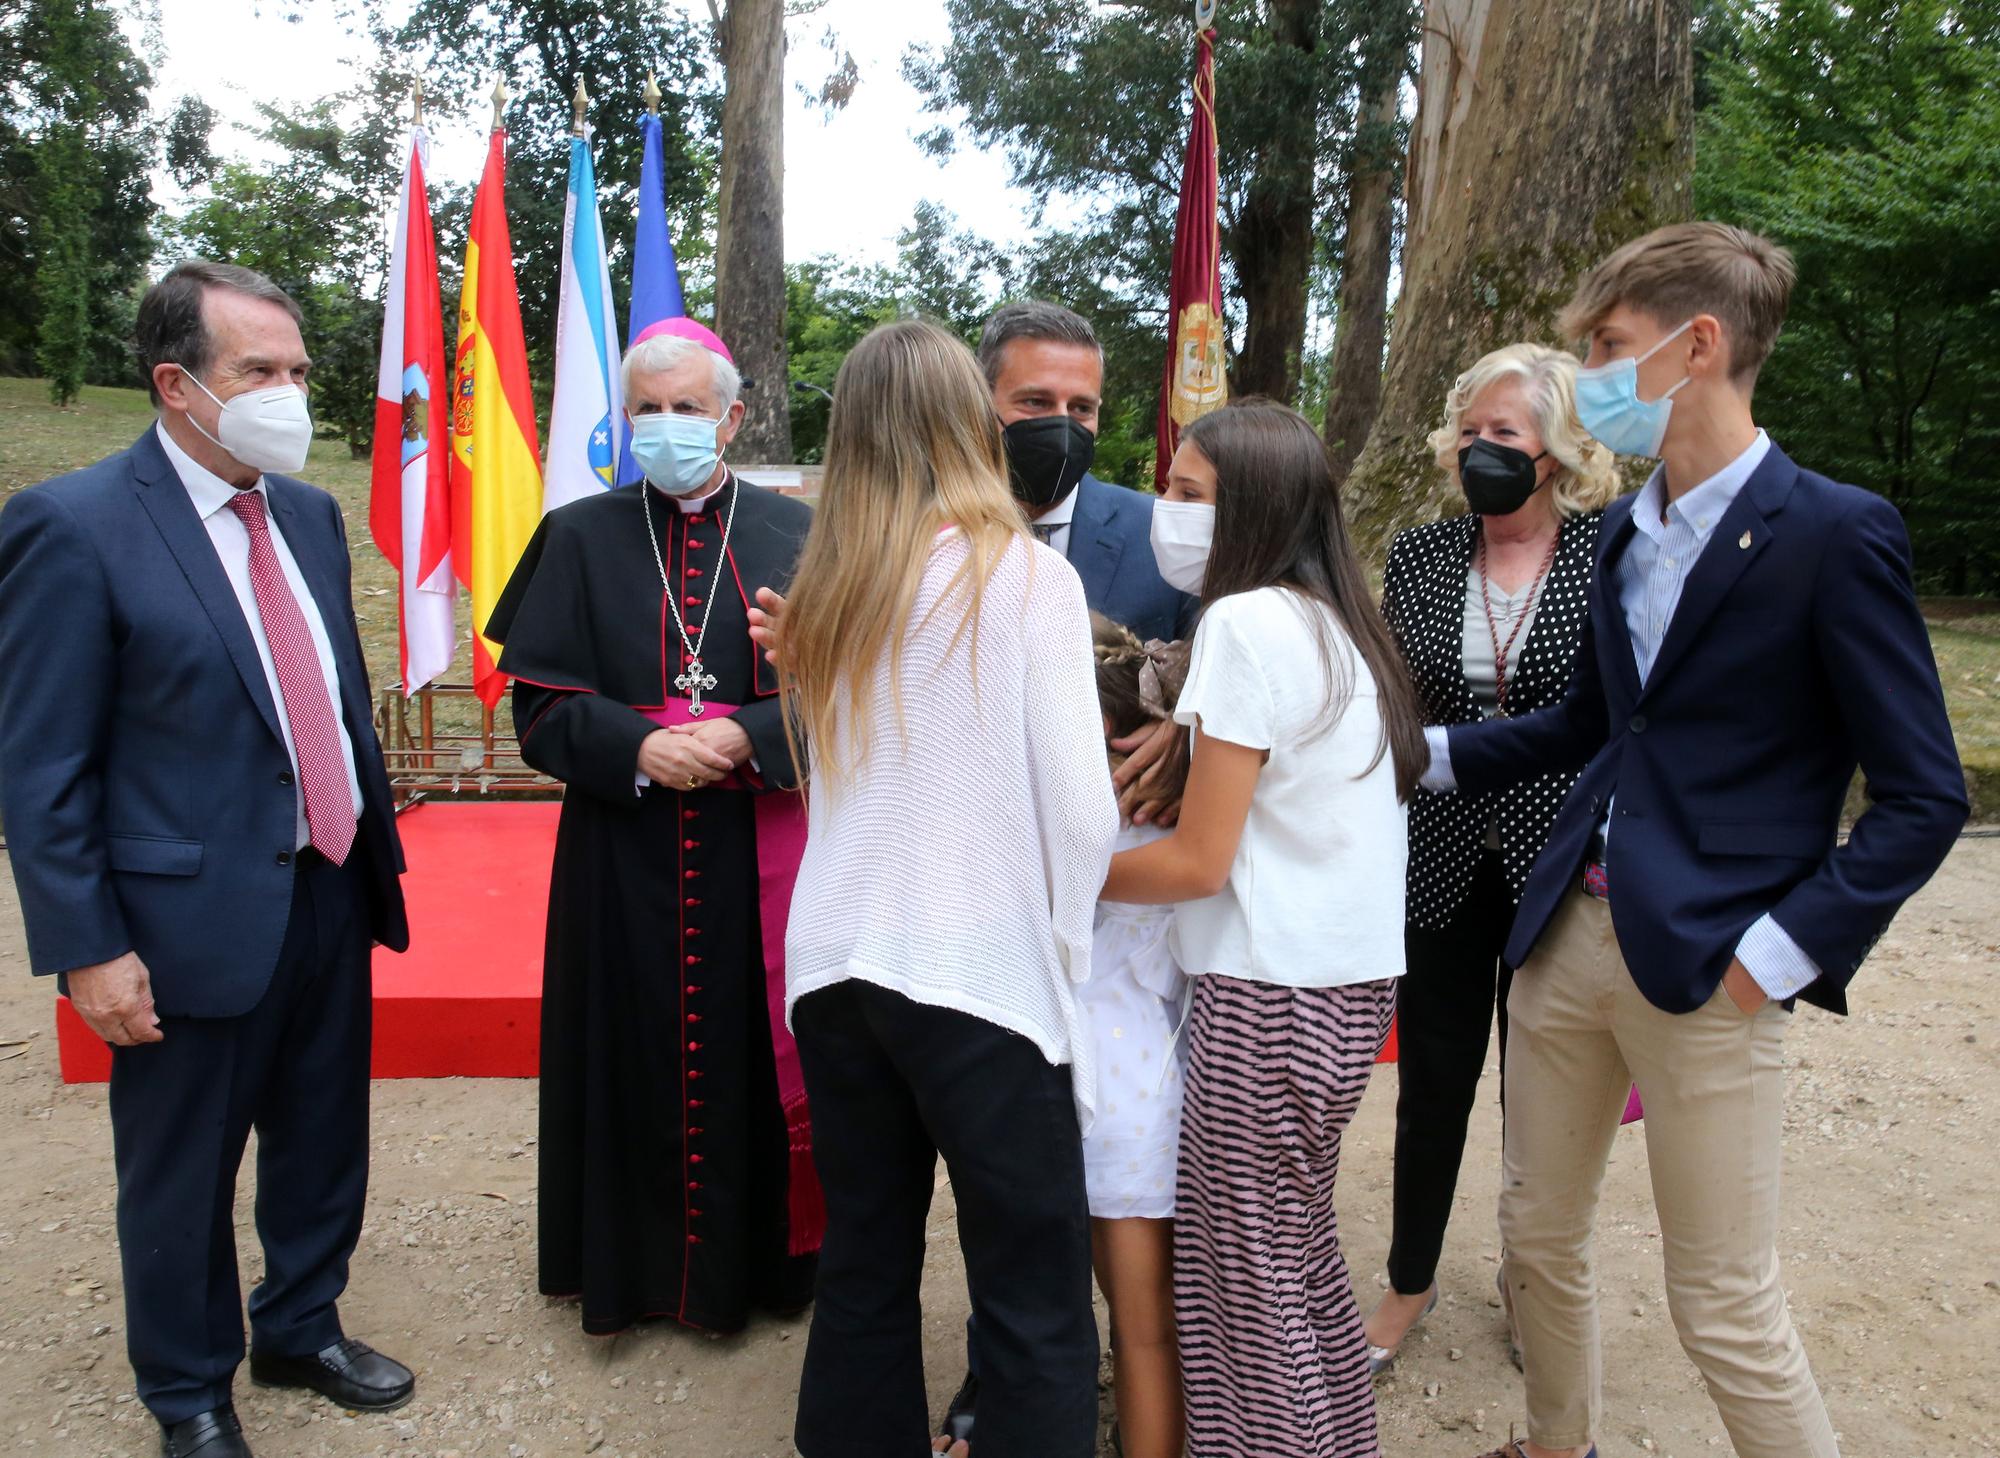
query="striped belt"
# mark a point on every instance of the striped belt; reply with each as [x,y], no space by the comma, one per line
[1595,882]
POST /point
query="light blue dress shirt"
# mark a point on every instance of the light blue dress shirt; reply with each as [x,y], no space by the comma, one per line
[1652,572]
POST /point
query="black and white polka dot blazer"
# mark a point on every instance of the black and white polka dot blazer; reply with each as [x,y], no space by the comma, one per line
[1424,600]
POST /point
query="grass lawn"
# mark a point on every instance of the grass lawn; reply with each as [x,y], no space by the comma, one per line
[38,441]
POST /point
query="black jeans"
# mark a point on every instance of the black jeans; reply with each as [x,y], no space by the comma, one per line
[893,1084]
[1454,982]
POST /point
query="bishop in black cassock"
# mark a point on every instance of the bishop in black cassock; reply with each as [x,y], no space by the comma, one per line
[676,1177]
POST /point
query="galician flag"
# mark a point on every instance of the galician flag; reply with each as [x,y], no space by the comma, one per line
[656,274]
[1196,381]
[587,419]
[409,508]
[496,474]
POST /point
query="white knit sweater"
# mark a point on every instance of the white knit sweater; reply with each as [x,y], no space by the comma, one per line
[958,864]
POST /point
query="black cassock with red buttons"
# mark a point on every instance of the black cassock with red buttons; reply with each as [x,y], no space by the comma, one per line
[663,1148]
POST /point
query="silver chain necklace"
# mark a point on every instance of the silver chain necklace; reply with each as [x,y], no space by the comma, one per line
[696,680]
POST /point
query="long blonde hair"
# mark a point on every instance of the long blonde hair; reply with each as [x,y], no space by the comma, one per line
[912,446]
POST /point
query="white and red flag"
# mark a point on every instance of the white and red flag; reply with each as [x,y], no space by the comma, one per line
[409,511]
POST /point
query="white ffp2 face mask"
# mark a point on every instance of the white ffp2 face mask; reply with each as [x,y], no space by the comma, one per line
[1182,532]
[267,430]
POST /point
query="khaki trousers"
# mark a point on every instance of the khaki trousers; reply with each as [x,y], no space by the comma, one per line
[1712,1081]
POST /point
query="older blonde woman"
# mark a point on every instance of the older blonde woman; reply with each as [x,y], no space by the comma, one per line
[1489,607]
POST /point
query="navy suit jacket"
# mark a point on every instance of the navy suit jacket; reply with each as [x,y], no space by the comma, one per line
[149,800]
[1111,548]
[1788,661]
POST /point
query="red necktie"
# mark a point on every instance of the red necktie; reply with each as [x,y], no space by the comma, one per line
[315,735]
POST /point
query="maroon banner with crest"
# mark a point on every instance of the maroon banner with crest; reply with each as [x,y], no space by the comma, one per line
[1195,381]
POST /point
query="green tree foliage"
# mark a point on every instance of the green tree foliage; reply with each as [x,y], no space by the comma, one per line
[942,273]
[312,224]
[1865,135]
[75,214]
[1091,103]
[544,47]
[957,278]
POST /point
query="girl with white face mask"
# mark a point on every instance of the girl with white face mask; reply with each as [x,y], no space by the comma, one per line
[1287,872]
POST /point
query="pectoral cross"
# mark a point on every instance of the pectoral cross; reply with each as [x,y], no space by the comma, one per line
[694,683]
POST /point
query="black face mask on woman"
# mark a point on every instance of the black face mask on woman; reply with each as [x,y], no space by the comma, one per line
[1046,457]
[1498,479]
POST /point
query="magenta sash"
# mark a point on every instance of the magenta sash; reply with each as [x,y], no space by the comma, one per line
[781,843]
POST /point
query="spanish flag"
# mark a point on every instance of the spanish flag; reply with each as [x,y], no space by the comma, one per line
[496,474]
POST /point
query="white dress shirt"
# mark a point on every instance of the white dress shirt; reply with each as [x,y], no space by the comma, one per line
[1052,526]
[211,496]
[1668,541]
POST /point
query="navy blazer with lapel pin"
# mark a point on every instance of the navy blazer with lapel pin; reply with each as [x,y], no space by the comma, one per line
[1788,661]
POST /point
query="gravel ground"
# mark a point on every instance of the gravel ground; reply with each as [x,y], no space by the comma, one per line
[1891,1248]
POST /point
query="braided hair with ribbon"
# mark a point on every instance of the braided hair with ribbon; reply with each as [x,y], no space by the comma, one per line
[1137,683]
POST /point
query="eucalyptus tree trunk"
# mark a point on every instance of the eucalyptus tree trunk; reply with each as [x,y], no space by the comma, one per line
[1548,132]
[1361,315]
[1272,243]
[750,242]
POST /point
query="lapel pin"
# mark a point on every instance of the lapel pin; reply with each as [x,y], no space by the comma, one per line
[1744,541]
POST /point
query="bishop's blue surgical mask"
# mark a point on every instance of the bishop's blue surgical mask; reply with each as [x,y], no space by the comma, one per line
[1608,403]
[678,453]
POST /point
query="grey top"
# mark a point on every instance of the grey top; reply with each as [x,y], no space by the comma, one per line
[1508,609]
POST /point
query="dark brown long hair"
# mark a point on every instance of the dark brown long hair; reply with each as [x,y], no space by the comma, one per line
[1278,523]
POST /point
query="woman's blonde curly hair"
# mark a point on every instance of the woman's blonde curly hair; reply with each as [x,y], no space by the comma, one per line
[1588,478]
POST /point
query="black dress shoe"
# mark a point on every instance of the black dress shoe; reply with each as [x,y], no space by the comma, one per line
[212,1434]
[350,1373]
[958,1417]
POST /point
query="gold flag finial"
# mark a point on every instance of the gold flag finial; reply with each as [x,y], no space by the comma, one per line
[499,101]
[417,102]
[578,103]
[652,95]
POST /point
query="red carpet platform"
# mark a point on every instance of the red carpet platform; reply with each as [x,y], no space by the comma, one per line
[465,1001]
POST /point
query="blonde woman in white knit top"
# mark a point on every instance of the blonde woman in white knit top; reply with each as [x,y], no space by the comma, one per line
[937,663]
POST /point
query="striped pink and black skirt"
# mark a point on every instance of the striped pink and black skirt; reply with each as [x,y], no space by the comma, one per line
[1272,1353]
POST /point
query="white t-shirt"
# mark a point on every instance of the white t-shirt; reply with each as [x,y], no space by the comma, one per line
[1315,895]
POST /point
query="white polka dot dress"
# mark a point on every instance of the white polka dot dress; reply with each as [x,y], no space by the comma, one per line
[1424,597]
[1131,1009]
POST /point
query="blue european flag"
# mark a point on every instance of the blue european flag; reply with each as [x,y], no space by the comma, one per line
[656,274]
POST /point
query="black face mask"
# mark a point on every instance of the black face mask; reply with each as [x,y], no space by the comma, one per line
[1498,479]
[1046,457]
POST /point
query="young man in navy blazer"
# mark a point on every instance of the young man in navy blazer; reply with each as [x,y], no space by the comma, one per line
[1753,636]
[201,830]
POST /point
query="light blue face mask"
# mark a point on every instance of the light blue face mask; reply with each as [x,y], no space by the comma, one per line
[1608,403]
[677,452]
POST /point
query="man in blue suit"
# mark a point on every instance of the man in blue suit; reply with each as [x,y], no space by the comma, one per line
[1753,636]
[205,846]
[1046,371]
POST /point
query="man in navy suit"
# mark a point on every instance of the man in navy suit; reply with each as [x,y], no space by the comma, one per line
[1754,635]
[1046,371]
[202,833]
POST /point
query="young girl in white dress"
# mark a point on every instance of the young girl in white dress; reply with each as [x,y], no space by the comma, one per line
[1131,1008]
